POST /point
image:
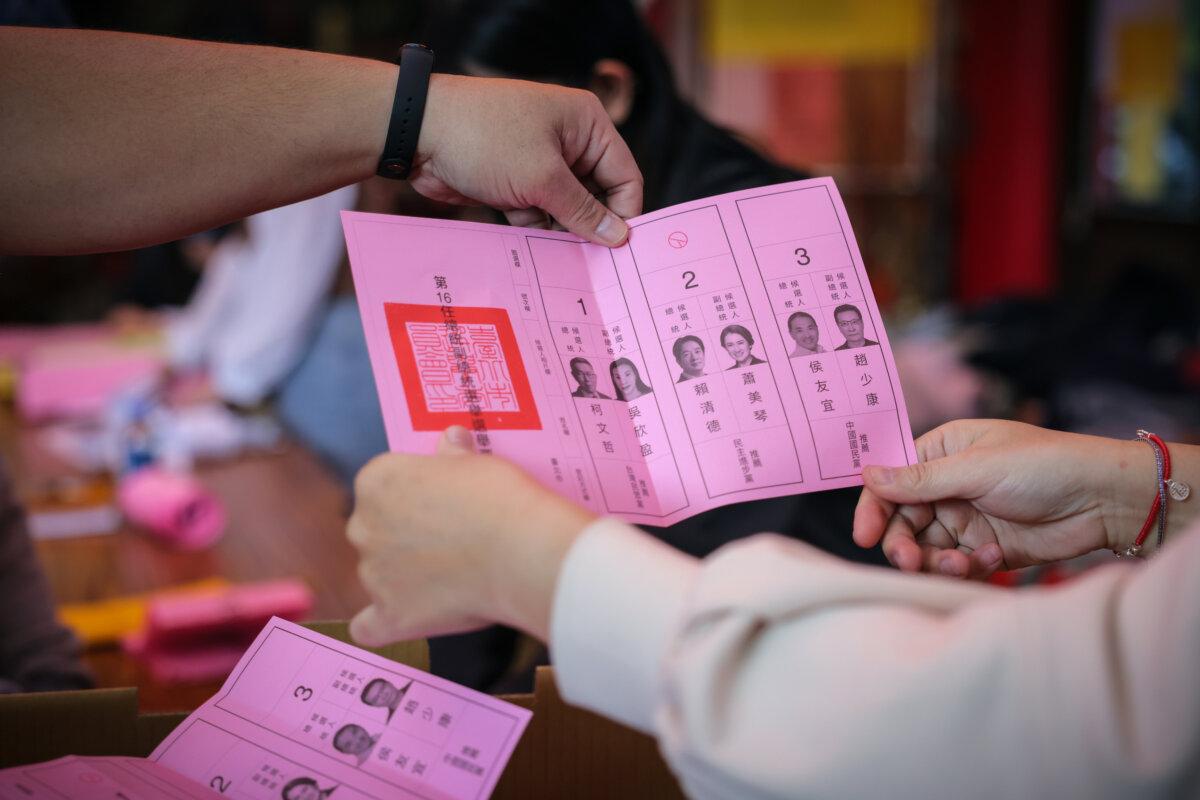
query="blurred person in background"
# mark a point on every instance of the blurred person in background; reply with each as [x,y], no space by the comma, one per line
[37,653]
[606,47]
[261,289]
[267,303]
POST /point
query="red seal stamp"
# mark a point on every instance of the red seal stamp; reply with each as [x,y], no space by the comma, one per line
[460,366]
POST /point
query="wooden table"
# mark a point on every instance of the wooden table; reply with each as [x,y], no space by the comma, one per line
[287,517]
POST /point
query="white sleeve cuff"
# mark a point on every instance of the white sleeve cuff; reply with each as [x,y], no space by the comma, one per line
[618,605]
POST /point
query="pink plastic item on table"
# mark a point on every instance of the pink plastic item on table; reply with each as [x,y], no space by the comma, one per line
[236,612]
[174,506]
[17,342]
[200,636]
[79,380]
[210,662]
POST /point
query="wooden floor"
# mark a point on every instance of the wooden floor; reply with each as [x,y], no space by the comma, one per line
[287,517]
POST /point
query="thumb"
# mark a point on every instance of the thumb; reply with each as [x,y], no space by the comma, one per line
[455,440]
[574,207]
[925,482]
[369,628]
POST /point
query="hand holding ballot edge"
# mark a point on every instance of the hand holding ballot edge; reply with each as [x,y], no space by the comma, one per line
[992,494]
[525,152]
[455,541]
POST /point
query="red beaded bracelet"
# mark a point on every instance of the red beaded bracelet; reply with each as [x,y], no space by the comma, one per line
[1158,509]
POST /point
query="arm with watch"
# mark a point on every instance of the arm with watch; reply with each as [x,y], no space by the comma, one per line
[115,140]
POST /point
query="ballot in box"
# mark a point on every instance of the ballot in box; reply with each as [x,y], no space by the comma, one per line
[564,751]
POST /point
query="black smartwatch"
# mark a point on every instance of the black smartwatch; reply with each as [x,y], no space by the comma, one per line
[408,109]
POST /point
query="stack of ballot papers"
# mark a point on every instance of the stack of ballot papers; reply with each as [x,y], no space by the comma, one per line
[306,717]
[731,350]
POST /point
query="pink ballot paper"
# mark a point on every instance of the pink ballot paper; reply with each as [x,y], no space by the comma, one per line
[731,350]
[99,778]
[301,709]
[300,716]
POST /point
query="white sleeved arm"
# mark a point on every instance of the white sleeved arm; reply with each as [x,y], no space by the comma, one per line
[191,330]
[771,670]
[294,255]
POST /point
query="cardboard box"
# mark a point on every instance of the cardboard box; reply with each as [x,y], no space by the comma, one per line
[565,752]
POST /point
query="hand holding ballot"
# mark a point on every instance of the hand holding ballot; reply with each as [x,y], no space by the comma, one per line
[456,541]
[991,494]
[183,136]
[523,148]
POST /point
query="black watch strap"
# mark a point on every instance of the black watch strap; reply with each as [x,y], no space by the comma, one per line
[408,109]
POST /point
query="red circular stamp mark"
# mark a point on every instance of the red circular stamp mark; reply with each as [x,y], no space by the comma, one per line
[677,239]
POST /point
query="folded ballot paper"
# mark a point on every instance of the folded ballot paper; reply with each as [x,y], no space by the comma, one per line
[304,717]
[732,350]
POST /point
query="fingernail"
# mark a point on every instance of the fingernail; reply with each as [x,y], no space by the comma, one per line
[990,555]
[459,438]
[612,230]
[946,567]
[880,475]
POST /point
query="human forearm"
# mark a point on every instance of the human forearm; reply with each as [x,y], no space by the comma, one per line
[992,494]
[771,670]
[528,561]
[224,131]
[618,603]
[456,541]
[115,140]
[1126,476]
[293,255]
